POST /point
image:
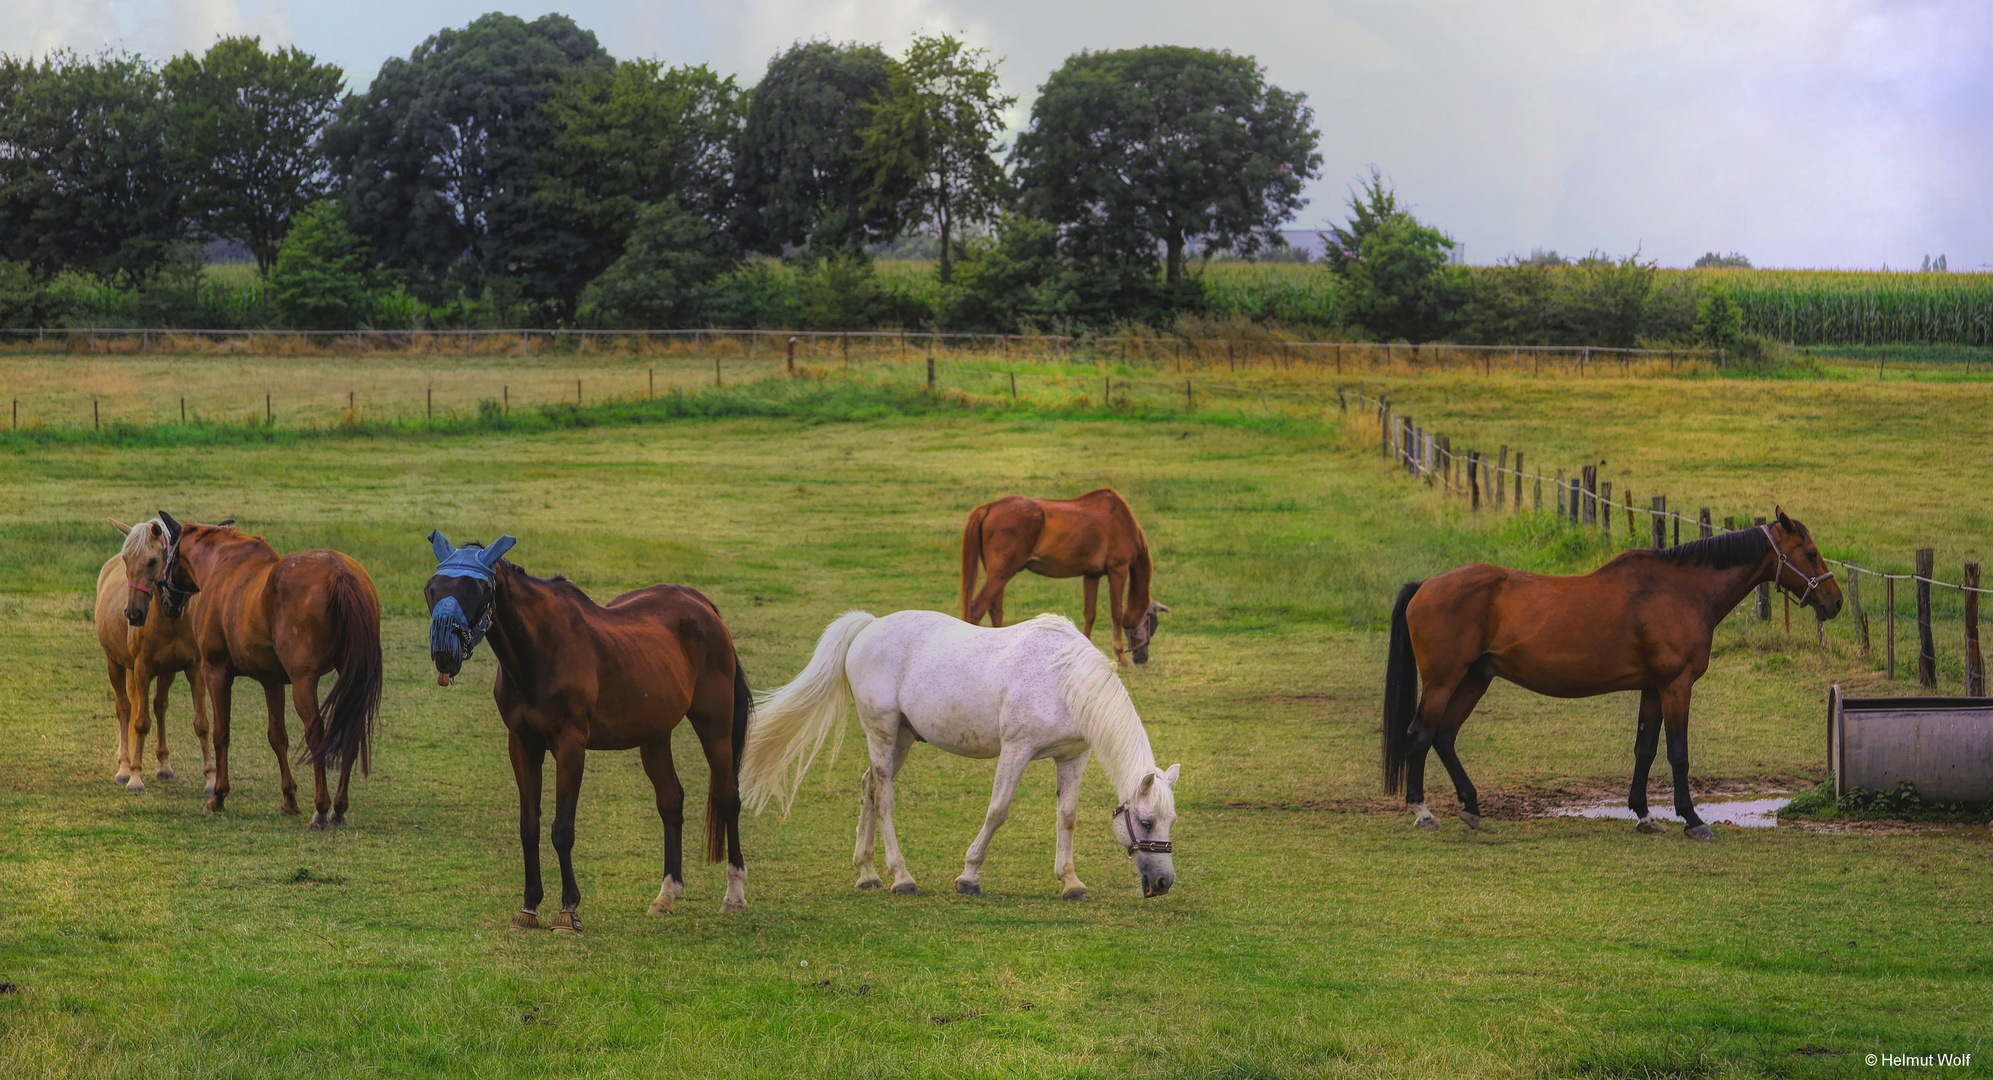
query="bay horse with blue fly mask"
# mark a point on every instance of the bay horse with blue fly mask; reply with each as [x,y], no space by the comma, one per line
[575,676]
[283,621]
[1643,621]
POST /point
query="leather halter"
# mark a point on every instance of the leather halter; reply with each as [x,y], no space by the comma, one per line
[1812,583]
[1156,847]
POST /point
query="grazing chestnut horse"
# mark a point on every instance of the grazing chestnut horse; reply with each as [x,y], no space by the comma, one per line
[284,621]
[575,676]
[1641,622]
[142,645]
[1089,537]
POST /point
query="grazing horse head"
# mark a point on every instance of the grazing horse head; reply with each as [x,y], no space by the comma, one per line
[1142,825]
[1800,569]
[461,595]
[1140,634]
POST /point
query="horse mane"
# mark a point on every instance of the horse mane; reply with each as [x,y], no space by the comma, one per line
[558,584]
[1101,706]
[1722,551]
[138,535]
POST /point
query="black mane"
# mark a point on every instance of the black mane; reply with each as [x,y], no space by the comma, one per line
[1722,551]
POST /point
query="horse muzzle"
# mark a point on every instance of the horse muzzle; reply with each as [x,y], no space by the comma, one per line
[447,641]
[1158,874]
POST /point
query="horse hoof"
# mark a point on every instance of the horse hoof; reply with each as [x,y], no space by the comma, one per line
[526,920]
[1427,822]
[339,819]
[290,809]
[213,805]
[567,922]
[1651,826]
[1473,820]
[870,884]
[166,773]
[907,888]
[968,888]
[121,779]
[1076,894]
[208,790]
[136,786]
[732,907]
[318,823]
[1701,832]
[659,907]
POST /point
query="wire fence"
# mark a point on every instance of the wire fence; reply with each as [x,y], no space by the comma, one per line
[1586,501]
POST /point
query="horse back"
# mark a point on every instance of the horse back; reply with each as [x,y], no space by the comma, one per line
[656,651]
[1087,535]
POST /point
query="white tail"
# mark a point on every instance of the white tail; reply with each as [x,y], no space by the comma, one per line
[791,722]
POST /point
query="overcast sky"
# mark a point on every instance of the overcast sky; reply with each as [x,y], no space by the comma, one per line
[1832,134]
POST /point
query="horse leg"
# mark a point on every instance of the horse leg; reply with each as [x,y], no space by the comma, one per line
[715,730]
[159,751]
[1117,587]
[1458,707]
[569,756]
[989,599]
[280,743]
[138,690]
[339,800]
[221,692]
[1090,591]
[304,697]
[1644,743]
[884,768]
[1675,714]
[201,733]
[1009,770]
[670,810]
[527,760]
[868,832]
[1070,771]
[121,695]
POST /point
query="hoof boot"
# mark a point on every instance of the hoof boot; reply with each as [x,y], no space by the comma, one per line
[567,922]
[1651,826]
[526,920]
[1701,832]
[968,888]
[907,889]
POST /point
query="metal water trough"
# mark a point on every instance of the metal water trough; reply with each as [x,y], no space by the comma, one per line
[1941,745]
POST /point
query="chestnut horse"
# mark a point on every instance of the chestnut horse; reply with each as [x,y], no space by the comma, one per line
[575,676]
[283,621]
[1641,622]
[1090,537]
[142,645]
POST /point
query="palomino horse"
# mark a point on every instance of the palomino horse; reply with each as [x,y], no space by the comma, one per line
[1089,537]
[1035,690]
[282,621]
[575,676]
[141,646]
[1641,622]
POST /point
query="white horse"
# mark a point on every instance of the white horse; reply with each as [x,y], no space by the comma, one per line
[1033,690]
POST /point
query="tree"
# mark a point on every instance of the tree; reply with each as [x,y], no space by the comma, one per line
[797,170]
[245,130]
[1393,268]
[1710,260]
[437,159]
[929,147]
[85,180]
[1141,149]
[664,276]
[634,136]
[323,278]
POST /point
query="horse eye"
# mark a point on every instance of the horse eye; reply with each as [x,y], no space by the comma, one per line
[1148,823]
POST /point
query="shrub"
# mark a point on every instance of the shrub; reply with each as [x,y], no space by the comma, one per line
[1718,320]
[665,275]
[322,280]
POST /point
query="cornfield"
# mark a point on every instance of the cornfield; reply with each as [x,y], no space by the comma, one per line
[1855,307]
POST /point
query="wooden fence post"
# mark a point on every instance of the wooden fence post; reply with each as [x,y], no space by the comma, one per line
[1765,600]
[1591,494]
[429,404]
[1605,513]
[1975,663]
[1536,496]
[1660,522]
[1702,519]
[1729,524]
[1927,650]
[1499,479]
[792,354]
[1518,499]
[1563,496]
[1860,616]
[1474,478]
[930,372]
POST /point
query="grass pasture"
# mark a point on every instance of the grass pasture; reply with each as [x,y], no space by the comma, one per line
[1314,933]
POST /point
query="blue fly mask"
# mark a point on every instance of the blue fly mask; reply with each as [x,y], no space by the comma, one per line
[451,631]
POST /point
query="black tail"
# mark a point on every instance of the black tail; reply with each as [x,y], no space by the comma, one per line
[716,830]
[348,710]
[1401,693]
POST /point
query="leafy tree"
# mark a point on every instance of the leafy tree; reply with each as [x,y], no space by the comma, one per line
[85,178]
[1140,149]
[1012,280]
[665,274]
[841,292]
[1398,281]
[928,149]
[25,298]
[1718,321]
[437,159]
[245,128]
[633,136]
[798,172]
[1712,261]
[323,279]
[1608,301]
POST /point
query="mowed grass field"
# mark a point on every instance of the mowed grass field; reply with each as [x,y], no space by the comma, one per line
[1313,931]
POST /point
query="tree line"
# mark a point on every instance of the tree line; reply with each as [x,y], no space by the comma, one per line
[514,171]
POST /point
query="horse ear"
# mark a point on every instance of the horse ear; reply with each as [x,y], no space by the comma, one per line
[1169,777]
[172,527]
[490,556]
[1779,512]
[121,526]
[1162,608]
[441,545]
[1148,782]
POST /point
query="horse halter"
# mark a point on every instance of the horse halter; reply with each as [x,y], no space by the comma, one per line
[171,596]
[1156,847]
[1812,583]
[464,562]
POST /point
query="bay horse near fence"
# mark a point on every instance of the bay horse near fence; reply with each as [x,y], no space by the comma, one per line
[1090,537]
[145,642]
[283,621]
[575,676]
[1642,622]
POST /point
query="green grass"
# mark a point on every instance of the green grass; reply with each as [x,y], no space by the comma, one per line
[1313,933]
